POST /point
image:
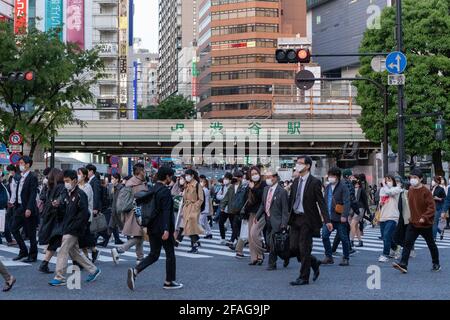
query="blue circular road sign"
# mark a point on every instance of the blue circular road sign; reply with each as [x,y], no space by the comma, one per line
[396,62]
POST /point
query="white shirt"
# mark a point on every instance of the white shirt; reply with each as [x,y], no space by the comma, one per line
[90,195]
[272,188]
[304,178]
[12,188]
[22,180]
[90,179]
[236,186]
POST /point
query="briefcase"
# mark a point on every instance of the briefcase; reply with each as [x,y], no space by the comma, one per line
[281,244]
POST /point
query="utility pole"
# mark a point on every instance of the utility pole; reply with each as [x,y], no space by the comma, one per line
[401,93]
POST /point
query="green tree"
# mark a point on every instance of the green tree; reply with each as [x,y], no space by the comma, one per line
[426,26]
[174,107]
[64,75]
[147,112]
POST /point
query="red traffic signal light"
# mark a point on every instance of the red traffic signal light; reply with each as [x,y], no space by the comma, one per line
[293,56]
[21,76]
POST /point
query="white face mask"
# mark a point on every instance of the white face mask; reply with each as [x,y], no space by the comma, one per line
[80,178]
[202,184]
[433,183]
[256,178]
[226,181]
[332,180]
[269,182]
[300,167]
[68,186]
[414,182]
[390,184]
[181,182]
[45,181]
[22,168]
[188,178]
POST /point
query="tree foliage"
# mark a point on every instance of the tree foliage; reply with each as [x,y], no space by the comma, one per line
[174,107]
[64,75]
[426,26]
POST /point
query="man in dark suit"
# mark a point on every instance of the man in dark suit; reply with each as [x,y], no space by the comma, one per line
[25,211]
[305,200]
[276,208]
[94,181]
[336,194]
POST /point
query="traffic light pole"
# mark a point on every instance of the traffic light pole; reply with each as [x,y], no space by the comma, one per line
[401,119]
[384,91]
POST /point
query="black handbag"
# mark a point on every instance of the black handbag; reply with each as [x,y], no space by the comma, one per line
[281,244]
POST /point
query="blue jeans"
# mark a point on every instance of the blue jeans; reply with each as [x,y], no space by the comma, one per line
[387,230]
[342,231]
[437,217]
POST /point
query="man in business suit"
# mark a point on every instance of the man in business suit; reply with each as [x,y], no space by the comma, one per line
[97,191]
[275,208]
[336,193]
[305,200]
[25,211]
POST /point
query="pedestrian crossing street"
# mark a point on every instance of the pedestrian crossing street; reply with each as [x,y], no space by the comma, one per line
[211,248]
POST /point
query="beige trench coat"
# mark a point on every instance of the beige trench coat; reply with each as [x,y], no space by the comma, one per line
[130,226]
[192,202]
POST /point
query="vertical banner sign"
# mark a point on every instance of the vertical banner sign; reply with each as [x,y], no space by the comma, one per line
[131,24]
[20,16]
[195,75]
[75,22]
[123,56]
[54,15]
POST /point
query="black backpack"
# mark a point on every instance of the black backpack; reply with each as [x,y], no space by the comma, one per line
[146,200]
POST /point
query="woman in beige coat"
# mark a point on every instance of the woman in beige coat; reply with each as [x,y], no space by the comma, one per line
[192,203]
[130,226]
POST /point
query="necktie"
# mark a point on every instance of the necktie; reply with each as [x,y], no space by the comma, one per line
[298,198]
[269,202]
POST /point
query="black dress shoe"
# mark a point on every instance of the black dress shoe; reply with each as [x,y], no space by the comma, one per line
[30,259]
[119,242]
[103,244]
[44,267]
[316,271]
[20,257]
[299,282]
[271,268]
[286,263]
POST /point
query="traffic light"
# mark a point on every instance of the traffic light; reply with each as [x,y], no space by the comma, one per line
[21,76]
[440,129]
[293,56]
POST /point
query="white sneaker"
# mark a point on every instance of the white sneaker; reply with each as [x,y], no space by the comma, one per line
[383,259]
[413,254]
[115,255]
[392,253]
[398,253]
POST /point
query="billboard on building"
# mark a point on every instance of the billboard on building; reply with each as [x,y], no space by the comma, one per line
[20,16]
[75,22]
[54,15]
[123,57]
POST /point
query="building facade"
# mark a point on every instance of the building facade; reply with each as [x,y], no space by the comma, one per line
[177,30]
[6,9]
[338,26]
[237,43]
[143,90]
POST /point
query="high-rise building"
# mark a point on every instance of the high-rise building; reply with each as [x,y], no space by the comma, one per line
[237,43]
[146,81]
[6,9]
[338,26]
[103,24]
[177,30]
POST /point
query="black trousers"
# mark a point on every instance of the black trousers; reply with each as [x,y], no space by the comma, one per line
[107,233]
[30,226]
[156,243]
[301,243]
[410,238]
[223,218]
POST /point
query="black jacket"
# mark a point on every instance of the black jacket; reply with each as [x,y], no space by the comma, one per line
[52,217]
[312,201]
[76,214]
[28,196]
[165,219]
[254,197]
[97,190]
